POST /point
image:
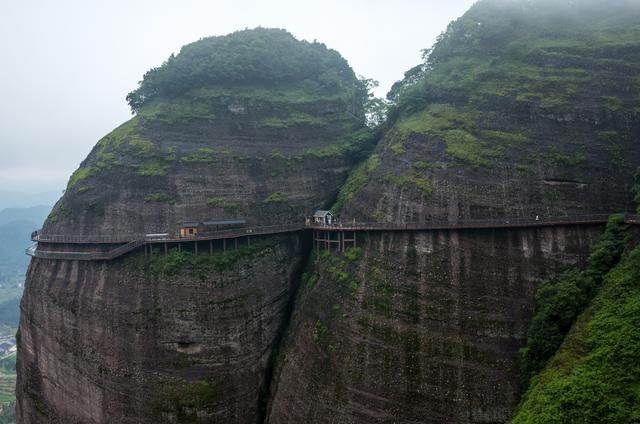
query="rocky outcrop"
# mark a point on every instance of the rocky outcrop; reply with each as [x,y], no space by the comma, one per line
[418,327]
[507,119]
[184,337]
[264,159]
[516,113]
[129,341]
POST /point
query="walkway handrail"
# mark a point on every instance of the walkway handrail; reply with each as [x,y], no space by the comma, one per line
[268,229]
[203,235]
[129,245]
[125,248]
[134,244]
[476,223]
[90,239]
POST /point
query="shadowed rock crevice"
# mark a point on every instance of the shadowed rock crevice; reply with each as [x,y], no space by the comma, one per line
[278,344]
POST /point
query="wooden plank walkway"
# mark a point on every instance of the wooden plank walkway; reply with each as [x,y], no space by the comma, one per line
[131,242]
[128,245]
[472,224]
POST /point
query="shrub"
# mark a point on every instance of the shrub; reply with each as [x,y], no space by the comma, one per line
[357,180]
[559,302]
[250,57]
[160,198]
[277,197]
[594,377]
[203,265]
[152,169]
[79,175]
[202,155]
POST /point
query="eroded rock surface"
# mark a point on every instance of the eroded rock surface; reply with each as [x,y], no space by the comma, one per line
[418,327]
[179,337]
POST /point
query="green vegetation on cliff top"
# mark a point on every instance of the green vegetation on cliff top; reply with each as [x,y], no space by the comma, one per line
[507,56]
[210,76]
[260,56]
[499,70]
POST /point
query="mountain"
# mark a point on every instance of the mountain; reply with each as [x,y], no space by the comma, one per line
[16,225]
[523,111]
[35,214]
[24,199]
[255,125]
[522,108]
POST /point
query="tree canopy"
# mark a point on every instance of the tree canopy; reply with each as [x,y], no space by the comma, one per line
[256,56]
[501,41]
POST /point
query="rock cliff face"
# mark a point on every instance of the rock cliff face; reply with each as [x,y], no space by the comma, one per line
[522,109]
[269,155]
[418,327]
[186,338]
[124,342]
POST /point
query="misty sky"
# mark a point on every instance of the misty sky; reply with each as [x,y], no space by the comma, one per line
[67,65]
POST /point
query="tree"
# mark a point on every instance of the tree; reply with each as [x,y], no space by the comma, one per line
[375,108]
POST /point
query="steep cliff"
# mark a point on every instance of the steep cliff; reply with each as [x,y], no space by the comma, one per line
[229,128]
[418,327]
[521,109]
[209,144]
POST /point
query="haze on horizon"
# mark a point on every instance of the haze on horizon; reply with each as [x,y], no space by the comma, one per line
[67,66]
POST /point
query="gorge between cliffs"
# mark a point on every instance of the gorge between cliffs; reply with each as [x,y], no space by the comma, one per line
[500,178]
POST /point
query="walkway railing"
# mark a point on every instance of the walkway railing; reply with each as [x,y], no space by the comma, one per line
[159,238]
[90,239]
[233,233]
[132,242]
[470,224]
[130,245]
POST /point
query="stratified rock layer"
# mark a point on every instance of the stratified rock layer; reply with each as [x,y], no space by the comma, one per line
[522,109]
[418,327]
[120,342]
[179,337]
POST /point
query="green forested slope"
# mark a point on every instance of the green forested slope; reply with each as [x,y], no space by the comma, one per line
[595,376]
[557,59]
[262,56]
[560,301]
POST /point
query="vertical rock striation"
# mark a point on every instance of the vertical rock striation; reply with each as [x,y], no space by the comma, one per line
[521,109]
[418,327]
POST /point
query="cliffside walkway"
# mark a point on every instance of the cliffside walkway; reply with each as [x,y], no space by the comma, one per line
[323,235]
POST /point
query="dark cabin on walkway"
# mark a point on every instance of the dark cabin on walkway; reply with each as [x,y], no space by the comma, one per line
[323,217]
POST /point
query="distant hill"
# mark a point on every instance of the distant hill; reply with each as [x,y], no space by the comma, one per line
[16,225]
[20,199]
[35,214]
